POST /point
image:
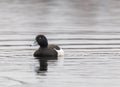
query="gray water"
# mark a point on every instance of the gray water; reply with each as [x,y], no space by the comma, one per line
[87,30]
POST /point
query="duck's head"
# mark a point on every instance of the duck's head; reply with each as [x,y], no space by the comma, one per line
[41,40]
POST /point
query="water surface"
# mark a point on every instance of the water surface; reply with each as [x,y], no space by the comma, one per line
[87,30]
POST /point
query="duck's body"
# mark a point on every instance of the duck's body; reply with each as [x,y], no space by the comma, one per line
[46,50]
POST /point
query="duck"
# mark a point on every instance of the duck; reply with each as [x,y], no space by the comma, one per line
[45,49]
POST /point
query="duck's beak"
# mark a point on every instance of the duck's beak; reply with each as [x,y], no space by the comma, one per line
[35,43]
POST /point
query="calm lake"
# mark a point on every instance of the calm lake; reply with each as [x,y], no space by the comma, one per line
[87,30]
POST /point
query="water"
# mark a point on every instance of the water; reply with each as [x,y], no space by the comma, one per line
[87,30]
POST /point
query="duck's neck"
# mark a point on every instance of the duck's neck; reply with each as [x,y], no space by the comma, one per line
[44,44]
[43,47]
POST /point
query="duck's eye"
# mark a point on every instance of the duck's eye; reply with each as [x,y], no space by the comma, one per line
[39,38]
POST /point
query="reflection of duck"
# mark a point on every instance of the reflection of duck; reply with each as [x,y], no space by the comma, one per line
[43,64]
[46,50]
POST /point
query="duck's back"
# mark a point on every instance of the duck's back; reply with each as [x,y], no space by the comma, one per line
[51,46]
